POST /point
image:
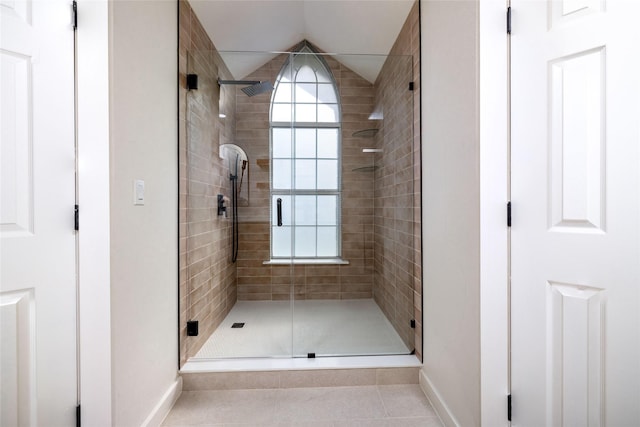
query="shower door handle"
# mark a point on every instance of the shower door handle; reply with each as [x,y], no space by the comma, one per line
[279,205]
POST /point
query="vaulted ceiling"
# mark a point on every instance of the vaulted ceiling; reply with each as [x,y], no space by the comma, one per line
[361,27]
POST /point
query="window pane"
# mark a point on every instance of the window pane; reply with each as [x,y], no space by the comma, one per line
[327,241]
[328,143]
[281,113]
[305,92]
[323,76]
[305,210]
[327,94]
[281,241]
[281,143]
[305,143]
[328,179]
[327,113]
[283,93]
[327,210]
[281,174]
[305,175]
[305,241]
[306,74]
[306,113]
[286,73]
[287,210]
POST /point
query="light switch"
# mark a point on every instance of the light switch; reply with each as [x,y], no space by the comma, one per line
[138,192]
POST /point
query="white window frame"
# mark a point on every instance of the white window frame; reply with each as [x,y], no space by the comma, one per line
[293,192]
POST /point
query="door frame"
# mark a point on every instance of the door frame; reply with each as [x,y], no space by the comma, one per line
[92,129]
[494,195]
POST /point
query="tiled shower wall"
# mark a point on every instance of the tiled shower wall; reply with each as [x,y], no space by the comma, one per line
[397,231]
[257,281]
[207,276]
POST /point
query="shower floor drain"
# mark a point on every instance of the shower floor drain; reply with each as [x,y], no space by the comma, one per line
[237,325]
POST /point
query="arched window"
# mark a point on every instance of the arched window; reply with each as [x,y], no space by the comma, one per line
[305,159]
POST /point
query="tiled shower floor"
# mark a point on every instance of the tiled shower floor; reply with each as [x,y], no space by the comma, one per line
[323,327]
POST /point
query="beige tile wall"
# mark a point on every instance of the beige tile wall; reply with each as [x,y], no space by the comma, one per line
[397,246]
[207,276]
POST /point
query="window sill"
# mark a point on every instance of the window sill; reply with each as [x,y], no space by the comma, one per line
[307,261]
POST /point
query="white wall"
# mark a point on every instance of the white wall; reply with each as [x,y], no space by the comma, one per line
[144,306]
[451,207]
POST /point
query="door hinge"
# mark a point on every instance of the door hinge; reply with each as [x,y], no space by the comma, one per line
[76,217]
[410,85]
[509,408]
[78,417]
[75,15]
[412,323]
[509,20]
[508,214]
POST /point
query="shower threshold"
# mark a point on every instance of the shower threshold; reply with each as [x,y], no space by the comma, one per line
[300,364]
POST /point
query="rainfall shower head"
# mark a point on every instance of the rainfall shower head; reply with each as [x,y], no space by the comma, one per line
[254,87]
[258,88]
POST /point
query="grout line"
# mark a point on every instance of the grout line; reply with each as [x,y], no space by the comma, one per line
[386,411]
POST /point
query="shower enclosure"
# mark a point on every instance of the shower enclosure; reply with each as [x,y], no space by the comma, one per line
[299,205]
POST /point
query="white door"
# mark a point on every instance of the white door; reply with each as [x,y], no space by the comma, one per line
[576,212]
[37,282]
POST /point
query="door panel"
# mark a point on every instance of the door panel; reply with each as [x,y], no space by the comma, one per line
[575,142]
[37,288]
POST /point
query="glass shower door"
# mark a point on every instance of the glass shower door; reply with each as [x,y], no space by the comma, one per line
[354,214]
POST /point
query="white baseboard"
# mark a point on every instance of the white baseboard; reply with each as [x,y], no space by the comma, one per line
[160,411]
[436,401]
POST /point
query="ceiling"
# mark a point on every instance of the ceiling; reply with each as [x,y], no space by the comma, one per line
[336,26]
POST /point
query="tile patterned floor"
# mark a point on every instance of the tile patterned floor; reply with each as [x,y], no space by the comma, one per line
[375,406]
